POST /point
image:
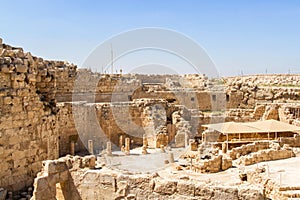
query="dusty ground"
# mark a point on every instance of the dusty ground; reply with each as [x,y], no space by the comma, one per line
[137,163]
[285,171]
[288,169]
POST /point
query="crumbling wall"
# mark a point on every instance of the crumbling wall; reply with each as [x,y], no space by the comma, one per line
[28,133]
[103,122]
[55,181]
[155,119]
[249,148]
[77,181]
[272,188]
[139,187]
[215,164]
[68,132]
[290,113]
[266,155]
[181,120]
[193,91]
[241,115]
[291,141]
[64,76]
[246,91]
[286,112]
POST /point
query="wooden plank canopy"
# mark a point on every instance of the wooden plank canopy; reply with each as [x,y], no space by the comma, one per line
[266,126]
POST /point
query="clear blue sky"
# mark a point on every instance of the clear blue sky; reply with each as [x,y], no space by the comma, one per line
[249,36]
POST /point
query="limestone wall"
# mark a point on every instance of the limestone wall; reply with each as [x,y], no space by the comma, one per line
[56,79]
[245,92]
[241,115]
[55,181]
[289,113]
[28,133]
[268,79]
[216,164]
[286,112]
[291,141]
[249,148]
[67,130]
[266,155]
[61,79]
[101,122]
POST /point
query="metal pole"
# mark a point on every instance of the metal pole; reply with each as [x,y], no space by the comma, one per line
[112,60]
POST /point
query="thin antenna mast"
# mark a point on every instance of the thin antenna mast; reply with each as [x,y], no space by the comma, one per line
[112,59]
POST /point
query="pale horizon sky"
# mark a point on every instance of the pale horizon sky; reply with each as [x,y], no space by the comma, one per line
[249,37]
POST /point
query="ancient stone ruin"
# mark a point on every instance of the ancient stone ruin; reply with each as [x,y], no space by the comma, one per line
[70,133]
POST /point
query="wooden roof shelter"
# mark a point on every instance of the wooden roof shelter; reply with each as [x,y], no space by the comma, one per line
[232,127]
[266,126]
[272,126]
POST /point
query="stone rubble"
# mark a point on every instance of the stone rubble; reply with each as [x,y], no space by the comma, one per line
[113,185]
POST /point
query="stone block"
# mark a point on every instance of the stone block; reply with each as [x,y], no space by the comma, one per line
[122,187]
[107,180]
[186,188]
[17,155]
[18,77]
[64,176]
[17,123]
[89,161]
[251,193]
[203,191]
[36,166]
[165,187]
[180,140]
[7,100]
[32,77]
[14,140]
[52,167]
[226,163]
[5,69]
